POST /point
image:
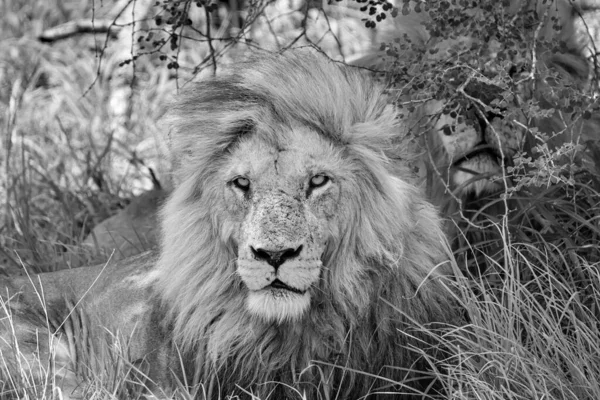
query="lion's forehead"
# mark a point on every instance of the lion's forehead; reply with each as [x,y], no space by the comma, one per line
[283,156]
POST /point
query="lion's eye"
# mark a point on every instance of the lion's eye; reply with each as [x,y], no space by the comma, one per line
[318,181]
[448,130]
[241,183]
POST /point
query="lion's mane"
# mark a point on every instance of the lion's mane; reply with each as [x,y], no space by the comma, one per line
[380,281]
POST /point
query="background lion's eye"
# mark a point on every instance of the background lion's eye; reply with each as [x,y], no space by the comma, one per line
[318,180]
[448,130]
[241,183]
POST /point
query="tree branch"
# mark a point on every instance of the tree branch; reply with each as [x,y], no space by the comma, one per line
[74,28]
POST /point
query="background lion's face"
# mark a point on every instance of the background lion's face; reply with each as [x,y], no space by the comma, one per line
[473,146]
[283,197]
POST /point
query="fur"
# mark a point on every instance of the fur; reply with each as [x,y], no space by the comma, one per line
[388,243]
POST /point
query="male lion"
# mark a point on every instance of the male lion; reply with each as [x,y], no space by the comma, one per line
[296,257]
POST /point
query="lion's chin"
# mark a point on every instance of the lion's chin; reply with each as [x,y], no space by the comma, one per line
[278,305]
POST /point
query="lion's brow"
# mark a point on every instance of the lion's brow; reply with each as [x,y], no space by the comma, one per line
[219,93]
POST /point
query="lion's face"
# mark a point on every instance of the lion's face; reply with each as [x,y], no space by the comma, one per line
[472,147]
[284,199]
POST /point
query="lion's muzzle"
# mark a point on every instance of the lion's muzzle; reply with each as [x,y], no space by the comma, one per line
[279,256]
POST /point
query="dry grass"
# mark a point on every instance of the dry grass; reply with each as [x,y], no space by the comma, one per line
[530,338]
[74,152]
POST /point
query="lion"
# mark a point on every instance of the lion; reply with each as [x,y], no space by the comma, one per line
[131,230]
[297,260]
[469,157]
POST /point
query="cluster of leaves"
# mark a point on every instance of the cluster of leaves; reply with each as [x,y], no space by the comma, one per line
[171,20]
[378,10]
[194,21]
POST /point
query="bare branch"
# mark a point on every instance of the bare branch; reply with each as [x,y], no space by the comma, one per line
[75,28]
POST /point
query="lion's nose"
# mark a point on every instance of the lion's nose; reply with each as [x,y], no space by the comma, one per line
[276,258]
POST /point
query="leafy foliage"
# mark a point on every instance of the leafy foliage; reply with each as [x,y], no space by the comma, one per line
[511,72]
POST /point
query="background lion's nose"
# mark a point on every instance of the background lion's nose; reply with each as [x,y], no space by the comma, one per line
[276,258]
